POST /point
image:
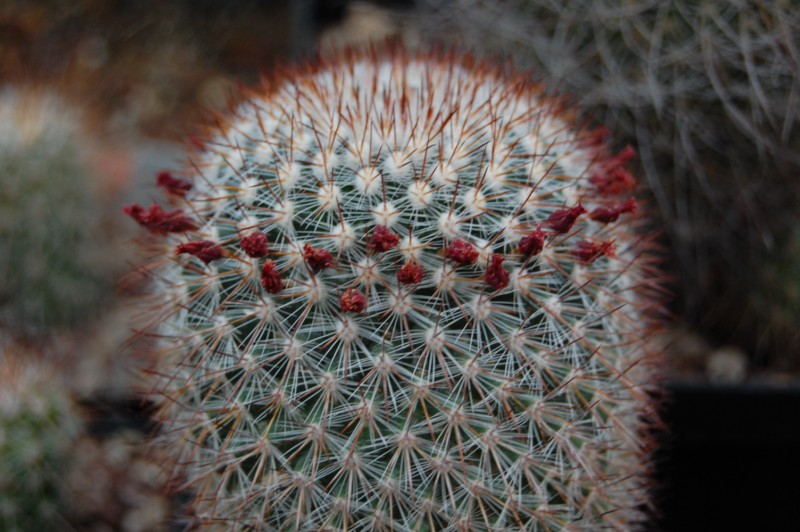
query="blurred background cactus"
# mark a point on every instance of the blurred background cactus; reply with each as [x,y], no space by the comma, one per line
[64,467]
[709,94]
[401,291]
[88,94]
[55,252]
[38,427]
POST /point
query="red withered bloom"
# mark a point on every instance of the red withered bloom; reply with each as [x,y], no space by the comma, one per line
[624,157]
[533,243]
[496,275]
[410,273]
[195,142]
[562,220]
[351,300]
[599,136]
[462,252]
[588,251]
[383,239]
[271,278]
[175,186]
[157,220]
[255,244]
[614,179]
[317,258]
[613,182]
[611,214]
[205,250]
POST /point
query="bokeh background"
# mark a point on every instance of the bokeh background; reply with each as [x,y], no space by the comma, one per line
[97,96]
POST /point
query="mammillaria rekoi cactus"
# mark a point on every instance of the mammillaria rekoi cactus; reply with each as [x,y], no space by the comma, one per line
[405,292]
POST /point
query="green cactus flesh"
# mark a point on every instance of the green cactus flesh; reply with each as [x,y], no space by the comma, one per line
[405,292]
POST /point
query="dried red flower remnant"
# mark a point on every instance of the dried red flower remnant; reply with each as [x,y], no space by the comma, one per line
[496,275]
[205,250]
[562,220]
[410,273]
[462,252]
[351,300]
[383,239]
[255,244]
[195,142]
[611,214]
[624,157]
[155,219]
[614,179]
[599,136]
[271,278]
[318,259]
[178,187]
[533,243]
[613,182]
[588,251]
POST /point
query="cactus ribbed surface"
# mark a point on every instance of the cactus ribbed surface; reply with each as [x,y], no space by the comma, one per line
[405,291]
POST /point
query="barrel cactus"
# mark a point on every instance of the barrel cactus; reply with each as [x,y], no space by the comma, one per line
[404,291]
[53,270]
[37,426]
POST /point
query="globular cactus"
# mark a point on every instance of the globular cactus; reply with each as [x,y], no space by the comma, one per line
[37,427]
[54,264]
[405,292]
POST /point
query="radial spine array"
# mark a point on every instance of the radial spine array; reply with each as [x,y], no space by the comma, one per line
[404,292]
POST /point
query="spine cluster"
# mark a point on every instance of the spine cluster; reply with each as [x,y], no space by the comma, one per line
[404,292]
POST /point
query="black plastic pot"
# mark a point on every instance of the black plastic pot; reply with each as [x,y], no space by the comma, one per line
[730,459]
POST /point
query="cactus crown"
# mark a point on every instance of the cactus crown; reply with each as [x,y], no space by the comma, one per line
[404,292]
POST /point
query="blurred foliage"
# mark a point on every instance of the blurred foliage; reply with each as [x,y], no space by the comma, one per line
[709,93]
[772,313]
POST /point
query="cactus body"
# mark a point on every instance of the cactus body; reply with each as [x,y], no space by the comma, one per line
[396,310]
[52,270]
